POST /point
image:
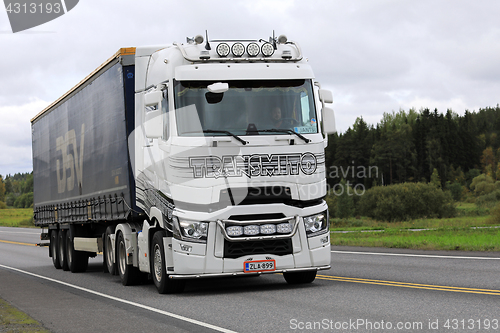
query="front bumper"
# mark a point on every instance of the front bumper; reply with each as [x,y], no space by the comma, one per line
[204,260]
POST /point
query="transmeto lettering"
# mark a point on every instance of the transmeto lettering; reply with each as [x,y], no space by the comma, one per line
[253,165]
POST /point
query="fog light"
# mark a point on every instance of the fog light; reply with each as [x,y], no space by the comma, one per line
[238,49]
[267,49]
[284,228]
[234,231]
[222,50]
[186,248]
[251,230]
[267,229]
[253,49]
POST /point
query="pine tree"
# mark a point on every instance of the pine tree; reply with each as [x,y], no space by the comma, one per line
[2,190]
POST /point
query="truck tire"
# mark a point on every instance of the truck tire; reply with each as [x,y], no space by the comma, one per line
[163,284]
[129,274]
[300,277]
[61,244]
[54,249]
[78,261]
[108,251]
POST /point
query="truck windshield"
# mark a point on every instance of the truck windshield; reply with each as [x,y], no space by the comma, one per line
[247,108]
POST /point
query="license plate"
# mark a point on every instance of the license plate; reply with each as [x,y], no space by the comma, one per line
[259,266]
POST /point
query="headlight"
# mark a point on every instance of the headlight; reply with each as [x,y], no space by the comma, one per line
[316,224]
[191,230]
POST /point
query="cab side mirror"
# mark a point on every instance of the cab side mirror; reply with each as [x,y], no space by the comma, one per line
[329,121]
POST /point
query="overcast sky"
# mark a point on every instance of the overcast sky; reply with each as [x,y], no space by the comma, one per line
[375,56]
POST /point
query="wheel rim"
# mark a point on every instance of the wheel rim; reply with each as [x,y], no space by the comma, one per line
[61,247]
[122,257]
[109,251]
[68,251]
[53,247]
[157,263]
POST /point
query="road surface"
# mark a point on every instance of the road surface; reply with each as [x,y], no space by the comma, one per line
[367,290]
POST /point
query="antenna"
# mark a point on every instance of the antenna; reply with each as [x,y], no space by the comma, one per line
[207,45]
[273,41]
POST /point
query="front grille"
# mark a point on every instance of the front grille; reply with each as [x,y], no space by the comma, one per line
[274,246]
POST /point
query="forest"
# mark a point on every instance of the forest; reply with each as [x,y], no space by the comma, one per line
[424,146]
[16,191]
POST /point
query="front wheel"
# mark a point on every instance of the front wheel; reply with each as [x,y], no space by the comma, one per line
[158,264]
[300,277]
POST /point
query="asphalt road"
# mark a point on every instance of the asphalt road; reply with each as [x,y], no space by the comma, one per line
[367,290]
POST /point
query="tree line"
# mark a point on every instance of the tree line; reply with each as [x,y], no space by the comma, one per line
[424,146]
[16,191]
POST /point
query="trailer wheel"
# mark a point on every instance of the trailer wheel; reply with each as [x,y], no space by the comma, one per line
[129,274]
[163,283]
[61,244]
[299,277]
[108,251]
[78,261]
[54,249]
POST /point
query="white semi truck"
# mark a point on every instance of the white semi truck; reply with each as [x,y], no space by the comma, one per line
[196,160]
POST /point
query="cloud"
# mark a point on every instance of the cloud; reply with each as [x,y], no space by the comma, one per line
[15,136]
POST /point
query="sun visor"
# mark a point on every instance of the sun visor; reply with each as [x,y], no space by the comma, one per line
[252,71]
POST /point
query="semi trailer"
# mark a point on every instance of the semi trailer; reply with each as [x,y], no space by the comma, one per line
[185,161]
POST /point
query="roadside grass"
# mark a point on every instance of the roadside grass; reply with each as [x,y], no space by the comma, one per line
[16,217]
[471,230]
[440,239]
[364,223]
[15,321]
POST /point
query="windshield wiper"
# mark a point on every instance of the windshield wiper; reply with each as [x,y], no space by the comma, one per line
[289,131]
[227,133]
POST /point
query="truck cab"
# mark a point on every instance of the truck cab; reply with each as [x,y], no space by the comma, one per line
[229,161]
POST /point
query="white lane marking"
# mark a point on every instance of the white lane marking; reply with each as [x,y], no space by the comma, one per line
[173,315]
[20,232]
[415,255]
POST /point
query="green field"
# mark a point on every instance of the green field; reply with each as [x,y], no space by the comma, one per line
[16,217]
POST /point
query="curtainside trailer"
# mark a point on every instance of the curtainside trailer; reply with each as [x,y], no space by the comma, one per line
[185,161]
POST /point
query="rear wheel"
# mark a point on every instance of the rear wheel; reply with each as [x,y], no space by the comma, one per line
[61,244]
[78,261]
[129,274]
[163,283]
[300,277]
[54,249]
[109,263]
